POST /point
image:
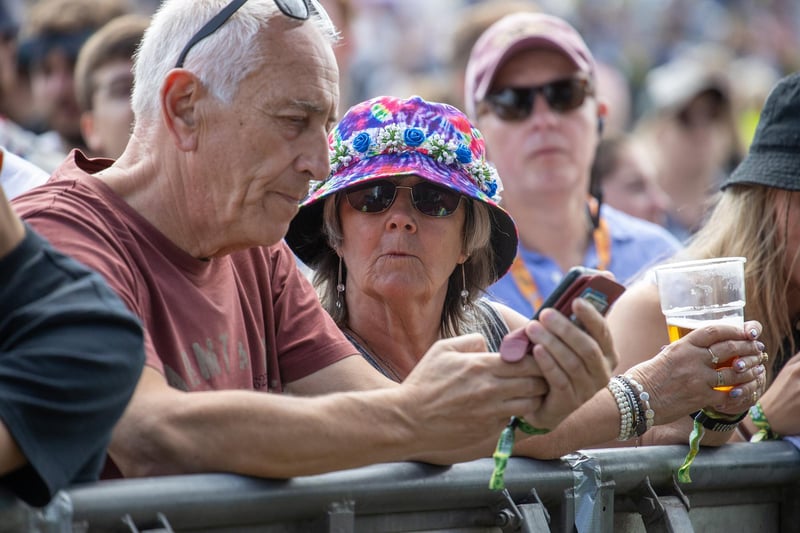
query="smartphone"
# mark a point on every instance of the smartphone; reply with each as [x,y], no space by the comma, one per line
[578,282]
[582,282]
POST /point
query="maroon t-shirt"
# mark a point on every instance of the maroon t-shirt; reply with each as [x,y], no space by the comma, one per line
[248,320]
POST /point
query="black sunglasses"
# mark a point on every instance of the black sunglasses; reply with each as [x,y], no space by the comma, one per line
[516,103]
[427,198]
[296,9]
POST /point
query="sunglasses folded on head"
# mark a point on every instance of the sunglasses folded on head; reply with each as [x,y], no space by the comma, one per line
[427,198]
[516,103]
[296,9]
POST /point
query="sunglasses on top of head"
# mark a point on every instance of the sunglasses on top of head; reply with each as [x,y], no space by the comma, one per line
[427,198]
[516,103]
[296,9]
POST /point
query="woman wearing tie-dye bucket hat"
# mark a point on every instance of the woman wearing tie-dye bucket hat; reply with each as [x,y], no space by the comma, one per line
[406,233]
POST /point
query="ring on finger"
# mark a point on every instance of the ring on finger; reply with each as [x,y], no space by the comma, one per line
[714,358]
[720,379]
[755,396]
[764,357]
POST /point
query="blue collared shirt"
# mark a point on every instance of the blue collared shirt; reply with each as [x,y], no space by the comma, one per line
[636,244]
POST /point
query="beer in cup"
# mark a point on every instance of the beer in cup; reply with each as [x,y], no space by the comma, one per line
[695,294]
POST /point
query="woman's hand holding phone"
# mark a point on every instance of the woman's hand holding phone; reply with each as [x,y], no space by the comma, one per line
[594,286]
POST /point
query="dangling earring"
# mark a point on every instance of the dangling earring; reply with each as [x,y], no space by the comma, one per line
[339,287]
[464,291]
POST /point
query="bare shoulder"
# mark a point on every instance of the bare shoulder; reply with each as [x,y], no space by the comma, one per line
[642,294]
[637,325]
[513,318]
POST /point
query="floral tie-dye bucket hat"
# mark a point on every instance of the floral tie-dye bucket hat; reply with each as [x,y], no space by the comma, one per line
[387,137]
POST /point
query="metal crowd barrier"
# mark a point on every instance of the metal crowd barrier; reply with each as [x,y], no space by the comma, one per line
[738,487]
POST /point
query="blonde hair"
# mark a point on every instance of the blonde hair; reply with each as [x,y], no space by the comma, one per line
[742,223]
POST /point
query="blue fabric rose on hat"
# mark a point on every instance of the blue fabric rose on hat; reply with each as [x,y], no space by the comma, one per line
[413,136]
[361,142]
[463,154]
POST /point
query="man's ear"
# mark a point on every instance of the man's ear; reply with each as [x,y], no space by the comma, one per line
[180,94]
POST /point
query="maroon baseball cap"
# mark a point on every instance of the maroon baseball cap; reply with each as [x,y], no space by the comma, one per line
[514,33]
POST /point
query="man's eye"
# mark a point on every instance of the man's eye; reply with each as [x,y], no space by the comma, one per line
[297,120]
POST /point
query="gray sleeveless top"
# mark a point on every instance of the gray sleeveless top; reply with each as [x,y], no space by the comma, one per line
[483,318]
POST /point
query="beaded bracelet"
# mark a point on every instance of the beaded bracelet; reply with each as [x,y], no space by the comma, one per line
[648,415]
[638,400]
[760,421]
[626,409]
[638,412]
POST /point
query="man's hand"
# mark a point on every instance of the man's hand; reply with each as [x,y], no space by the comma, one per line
[458,393]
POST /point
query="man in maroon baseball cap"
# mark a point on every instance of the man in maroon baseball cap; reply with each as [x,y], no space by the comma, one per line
[530,87]
[516,33]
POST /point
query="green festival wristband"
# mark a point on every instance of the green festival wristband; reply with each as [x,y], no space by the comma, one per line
[703,420]
[764,430]
[694,447]
[505,445]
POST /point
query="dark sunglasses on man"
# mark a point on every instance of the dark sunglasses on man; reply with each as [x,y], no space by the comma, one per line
[516,103]
[296,9]
[427,198]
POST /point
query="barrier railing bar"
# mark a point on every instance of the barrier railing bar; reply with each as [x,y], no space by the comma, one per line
[208,501]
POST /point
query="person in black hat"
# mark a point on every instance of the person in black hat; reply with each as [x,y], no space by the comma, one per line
[757,216]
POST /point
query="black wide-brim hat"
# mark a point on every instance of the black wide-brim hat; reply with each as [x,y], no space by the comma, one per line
[773,159]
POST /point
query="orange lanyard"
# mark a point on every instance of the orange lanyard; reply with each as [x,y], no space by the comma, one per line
[525,282]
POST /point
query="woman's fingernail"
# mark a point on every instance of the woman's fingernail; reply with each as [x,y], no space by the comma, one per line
[740,365]
[761,346]
[735,393]
[760,369]
[754,333]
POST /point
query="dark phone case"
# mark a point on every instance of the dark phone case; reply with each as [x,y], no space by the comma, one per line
[565,284]
[598,289]
[578,282]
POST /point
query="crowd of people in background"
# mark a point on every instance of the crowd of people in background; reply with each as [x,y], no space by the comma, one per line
[681,85]
[655,109]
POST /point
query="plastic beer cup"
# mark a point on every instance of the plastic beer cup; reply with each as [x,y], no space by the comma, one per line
[695,294]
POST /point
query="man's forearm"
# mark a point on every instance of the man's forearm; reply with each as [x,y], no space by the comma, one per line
[267,435]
